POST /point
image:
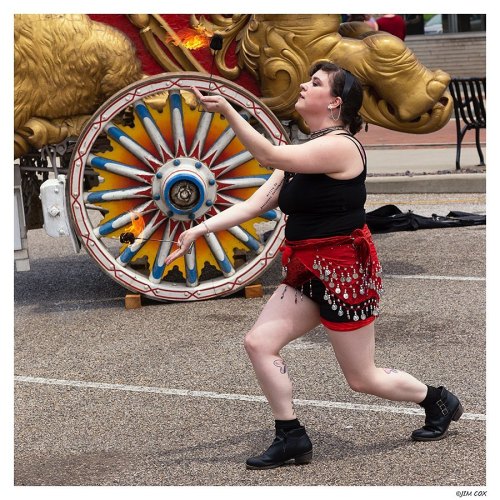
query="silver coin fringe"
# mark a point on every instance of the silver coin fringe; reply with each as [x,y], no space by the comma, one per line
[347,283]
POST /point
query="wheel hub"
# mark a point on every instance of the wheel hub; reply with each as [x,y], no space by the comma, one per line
[184,195]
[184,188]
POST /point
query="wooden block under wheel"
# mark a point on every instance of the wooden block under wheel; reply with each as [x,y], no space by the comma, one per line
[255,290]
[132,301]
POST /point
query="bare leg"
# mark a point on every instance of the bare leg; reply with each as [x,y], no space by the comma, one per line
[281,321]
[355,352]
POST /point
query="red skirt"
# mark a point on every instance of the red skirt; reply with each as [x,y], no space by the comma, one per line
[341,274]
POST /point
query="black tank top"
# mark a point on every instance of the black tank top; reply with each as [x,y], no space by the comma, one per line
[319,206]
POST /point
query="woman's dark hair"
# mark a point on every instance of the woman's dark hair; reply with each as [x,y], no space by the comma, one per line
[345,85]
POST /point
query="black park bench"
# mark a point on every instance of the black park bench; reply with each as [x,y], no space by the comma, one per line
[468,96]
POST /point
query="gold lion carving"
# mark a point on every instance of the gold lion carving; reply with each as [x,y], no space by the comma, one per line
[65,67]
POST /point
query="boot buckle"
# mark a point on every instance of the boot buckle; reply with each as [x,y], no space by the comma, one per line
[442,406]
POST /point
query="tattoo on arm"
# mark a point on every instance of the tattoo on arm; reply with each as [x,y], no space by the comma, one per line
[272,192]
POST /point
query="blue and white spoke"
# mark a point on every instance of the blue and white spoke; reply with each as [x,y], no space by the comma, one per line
[117,194]
[124,219]
[153,131]
[164,249]
[118,168]
[177,120]
[133,147]
[201,133]
[231,163]
[220,255]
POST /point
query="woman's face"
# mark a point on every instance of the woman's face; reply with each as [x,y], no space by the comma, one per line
[315,95]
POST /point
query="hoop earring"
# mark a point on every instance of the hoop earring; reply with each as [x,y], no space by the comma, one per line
[335,119]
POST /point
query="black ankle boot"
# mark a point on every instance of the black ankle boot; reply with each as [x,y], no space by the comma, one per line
[438,416]
[287,445]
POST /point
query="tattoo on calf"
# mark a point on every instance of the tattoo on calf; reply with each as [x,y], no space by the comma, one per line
[390,370]
[281,365]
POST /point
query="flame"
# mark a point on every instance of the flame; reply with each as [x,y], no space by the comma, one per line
[192,38]
[136,224]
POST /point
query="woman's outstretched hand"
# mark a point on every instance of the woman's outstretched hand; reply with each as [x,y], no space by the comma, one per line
[212,103]
[185,243]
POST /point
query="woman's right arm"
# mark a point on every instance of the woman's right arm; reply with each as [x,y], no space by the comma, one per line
[264,199]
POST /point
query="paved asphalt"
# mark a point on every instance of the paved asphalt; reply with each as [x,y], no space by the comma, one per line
[181,406]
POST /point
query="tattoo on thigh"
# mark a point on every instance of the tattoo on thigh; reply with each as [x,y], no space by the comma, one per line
[390,370]
[281,365]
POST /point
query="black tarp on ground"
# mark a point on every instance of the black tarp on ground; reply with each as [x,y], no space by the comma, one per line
[390,218]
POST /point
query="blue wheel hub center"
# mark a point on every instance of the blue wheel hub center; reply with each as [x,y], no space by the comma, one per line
[184,188]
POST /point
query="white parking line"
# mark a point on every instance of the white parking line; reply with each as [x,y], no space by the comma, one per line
[234,397]
[431,277]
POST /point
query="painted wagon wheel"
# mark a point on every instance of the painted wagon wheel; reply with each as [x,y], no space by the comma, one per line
[169,166]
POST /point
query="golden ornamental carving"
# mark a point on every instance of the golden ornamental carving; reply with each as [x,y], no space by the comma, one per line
[278,49]
[230,29]
[158,36]
[65,66]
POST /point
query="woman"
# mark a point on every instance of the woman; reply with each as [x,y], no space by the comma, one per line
[331,265]
[370,20]
[393,24]
[364,18]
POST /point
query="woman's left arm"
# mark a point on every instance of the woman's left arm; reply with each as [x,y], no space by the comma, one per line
[323,155]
